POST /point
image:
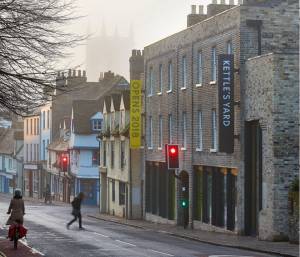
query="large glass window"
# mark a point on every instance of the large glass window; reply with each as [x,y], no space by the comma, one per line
[170,76]
[95,158]
[213,64]
[200,68]
[113,190]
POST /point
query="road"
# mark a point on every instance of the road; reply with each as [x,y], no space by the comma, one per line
[47,234]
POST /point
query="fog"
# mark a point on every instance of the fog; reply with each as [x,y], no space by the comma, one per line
[130,24]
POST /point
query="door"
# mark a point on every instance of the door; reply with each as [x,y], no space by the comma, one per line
[89,188]
[253,176]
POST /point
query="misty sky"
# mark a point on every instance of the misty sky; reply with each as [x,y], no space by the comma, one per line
[151,20]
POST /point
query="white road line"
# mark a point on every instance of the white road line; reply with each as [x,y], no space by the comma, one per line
[100,234]
[161,252]
[125,242]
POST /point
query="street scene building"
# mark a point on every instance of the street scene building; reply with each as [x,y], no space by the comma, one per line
[230,183]
[195,153]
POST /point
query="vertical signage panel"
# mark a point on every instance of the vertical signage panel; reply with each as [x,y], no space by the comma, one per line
[226,102]
[135,113]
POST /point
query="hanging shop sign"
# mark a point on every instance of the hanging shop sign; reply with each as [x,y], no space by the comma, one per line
[135,113]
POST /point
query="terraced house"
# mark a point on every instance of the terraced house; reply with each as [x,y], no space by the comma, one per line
[236,182]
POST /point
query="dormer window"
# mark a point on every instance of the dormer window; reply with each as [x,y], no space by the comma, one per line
[96,125]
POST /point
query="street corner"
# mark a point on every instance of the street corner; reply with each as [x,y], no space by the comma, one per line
[7,249]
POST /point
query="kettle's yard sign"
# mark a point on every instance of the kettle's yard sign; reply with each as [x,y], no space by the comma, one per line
[226,103]
[135,113]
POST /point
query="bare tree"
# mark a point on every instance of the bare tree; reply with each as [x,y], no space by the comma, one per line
[33,38]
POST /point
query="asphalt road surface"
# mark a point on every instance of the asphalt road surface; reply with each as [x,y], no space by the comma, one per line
[47,233]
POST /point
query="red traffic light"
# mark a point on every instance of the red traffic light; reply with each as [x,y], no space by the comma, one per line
[65,159]
[172,156]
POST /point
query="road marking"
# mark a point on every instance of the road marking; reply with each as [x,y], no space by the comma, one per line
[161,252]
[100,234]
[125,242]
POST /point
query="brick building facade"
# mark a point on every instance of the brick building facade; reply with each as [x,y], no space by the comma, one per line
[181,106]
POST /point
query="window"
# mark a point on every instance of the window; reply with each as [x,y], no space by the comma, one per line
[213,64]
[10,164]
[200,132]
[31,127]
[160,131]
[122,149]
[150,137]
[214,130]
[27,127]
[184,130]
[170,129]
[150,88]
[229,47]
[112,154]
[160,78]
[34,126]
[96,125]
[200,71]
[170,77]
[95,158]
[122,190]
[104,153]
[48,119]
[113,190]
[27,152]
[37,126]
[43,119]
[184,72]
[44,150]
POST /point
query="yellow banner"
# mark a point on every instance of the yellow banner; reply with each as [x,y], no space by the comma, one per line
[135,113]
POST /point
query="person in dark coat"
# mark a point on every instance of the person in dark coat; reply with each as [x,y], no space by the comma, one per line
[16,208]
[76,204]
[48,194]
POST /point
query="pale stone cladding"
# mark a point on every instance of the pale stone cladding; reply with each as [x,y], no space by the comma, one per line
[277,110]
[278,22]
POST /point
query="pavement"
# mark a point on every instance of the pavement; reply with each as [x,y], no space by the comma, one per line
[284,249]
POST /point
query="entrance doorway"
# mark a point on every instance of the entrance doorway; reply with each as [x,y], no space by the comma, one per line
[253,176]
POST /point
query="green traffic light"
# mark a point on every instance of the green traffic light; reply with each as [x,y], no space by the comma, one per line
[184,203]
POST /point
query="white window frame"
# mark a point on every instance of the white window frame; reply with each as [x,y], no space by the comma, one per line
[97,124]
[200,132]
[160,72]
[184,134]
[199,69]
[213,131]
[213,65]
[160,132]
[150,88]
[170,77]
[170,134]
[150,137]
[184,72]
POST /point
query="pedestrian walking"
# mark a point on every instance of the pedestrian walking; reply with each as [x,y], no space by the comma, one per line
[16,209]
[48,194]
[76,205]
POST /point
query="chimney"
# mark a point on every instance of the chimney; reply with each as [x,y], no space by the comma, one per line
[74,73]
[214,8]
[231,2]
[195,17]
[84,73]
[193,9]
[214,2]
[79,73]
[136,64]
[201,9]
[70,73]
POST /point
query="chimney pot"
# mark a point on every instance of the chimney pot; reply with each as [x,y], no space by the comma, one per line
[133,52]
[193,11]
[79,73]
[201,9]
[214,2]
[139,52]
[84,73]
[58,74]
[74,73]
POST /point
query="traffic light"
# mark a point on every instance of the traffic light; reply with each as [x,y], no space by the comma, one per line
[64,163]
[184,203]
[173,156]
